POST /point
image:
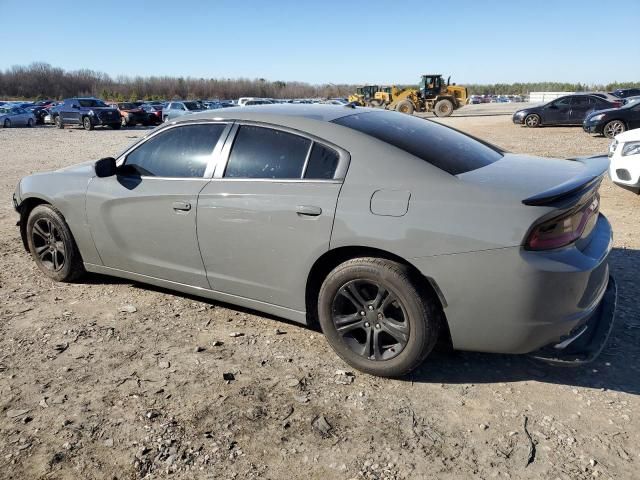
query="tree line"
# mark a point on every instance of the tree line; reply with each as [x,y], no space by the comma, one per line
[41,80]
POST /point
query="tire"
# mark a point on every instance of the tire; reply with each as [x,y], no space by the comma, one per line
[532,120]
[405,106]
[443,108]
[31,123]
[115,126]
[123,121]
[369,319]
[165,119]
[56,256]
[613,128]
[375,103]
[7,123]
[58,122]
[86,123]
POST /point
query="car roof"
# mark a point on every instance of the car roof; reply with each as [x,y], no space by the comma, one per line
[267,112]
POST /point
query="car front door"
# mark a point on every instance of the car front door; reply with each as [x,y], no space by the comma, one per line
[70,111]
[633,117]
[558,112]
[267,214]
[143,220]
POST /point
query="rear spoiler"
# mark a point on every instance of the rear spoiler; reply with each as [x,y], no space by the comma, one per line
[595,168]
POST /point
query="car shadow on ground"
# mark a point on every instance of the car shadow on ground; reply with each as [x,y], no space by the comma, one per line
[617,368]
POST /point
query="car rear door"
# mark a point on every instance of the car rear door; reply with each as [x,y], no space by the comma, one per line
[580,106]
[267,214]
[558,112]
[143,220]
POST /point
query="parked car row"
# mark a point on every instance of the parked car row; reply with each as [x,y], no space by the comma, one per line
[600,113]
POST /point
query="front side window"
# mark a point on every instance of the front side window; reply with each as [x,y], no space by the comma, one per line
[260,152]
[443,147]
[563,102]
[181,152]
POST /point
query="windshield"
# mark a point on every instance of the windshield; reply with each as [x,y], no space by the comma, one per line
[192,106]
[444,147]
[128,106]
[89,102]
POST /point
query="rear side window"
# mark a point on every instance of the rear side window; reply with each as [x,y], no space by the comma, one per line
[322,163]
[445,148]
[182,152]
[260,152]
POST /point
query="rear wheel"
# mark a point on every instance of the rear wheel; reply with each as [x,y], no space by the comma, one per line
[58,122]
[31,123]
[613,128]
[86,123]
[7,123]
[52,245]
[532,120]
[443,108]
[376,318]
[123,121]
[405,106]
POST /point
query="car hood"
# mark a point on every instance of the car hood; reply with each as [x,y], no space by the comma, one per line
[522,177]
[629,136]
[84,168]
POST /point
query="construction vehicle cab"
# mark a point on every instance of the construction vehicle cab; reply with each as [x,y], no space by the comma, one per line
[364,95]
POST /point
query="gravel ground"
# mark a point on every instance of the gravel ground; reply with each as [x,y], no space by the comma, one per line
[112,379]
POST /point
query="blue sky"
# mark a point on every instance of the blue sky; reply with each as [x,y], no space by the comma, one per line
[330,41]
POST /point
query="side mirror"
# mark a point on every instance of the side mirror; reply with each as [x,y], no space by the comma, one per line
[105,167]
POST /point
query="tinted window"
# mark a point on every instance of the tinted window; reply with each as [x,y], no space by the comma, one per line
[322,164]
[178,152]
[563,102]
[580,101]
[446,148]
[266,153]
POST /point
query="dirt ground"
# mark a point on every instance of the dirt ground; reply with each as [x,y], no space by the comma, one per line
[111,379]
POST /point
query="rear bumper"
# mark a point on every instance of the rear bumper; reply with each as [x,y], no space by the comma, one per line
[515,301]
[586,342]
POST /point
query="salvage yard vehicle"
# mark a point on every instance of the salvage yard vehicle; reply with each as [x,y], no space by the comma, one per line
[626,92]
[11,116]
[177,109]
[613,121]
[154,113]
[131,114]
[566,110]
[390,231]
[88,113]
[624,153]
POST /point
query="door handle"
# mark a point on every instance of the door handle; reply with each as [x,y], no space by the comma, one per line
[308,210]
[181,206]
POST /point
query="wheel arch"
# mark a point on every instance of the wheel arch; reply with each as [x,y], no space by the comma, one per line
[26,207]
[332,258]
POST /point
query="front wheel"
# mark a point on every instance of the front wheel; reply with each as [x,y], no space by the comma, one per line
[376,318]
[31,123]
[613,128]
[123,121]
[58,122]
[532,120]
[405,106]
[86,123]
[52,246]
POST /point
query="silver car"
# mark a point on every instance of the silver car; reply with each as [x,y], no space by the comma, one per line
[177,109]
[16,117]
[390,231]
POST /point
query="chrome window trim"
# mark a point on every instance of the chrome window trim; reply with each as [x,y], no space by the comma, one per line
[338,176]
[214,156]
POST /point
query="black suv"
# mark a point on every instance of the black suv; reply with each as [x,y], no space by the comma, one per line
[87,112]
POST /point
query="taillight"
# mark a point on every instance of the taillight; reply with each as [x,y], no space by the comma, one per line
[565,229]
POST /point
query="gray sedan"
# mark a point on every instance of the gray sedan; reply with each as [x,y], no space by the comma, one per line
[389,231]
[16,117]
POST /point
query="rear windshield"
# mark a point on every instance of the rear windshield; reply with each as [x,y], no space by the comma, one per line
[446,148]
